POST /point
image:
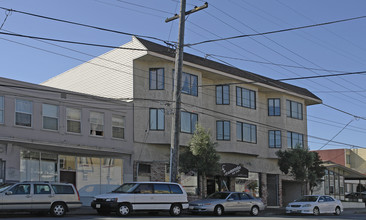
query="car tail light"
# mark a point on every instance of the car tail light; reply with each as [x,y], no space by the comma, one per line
[77,192]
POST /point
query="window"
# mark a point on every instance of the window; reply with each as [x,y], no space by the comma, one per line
[161,189]
[294,140]
[175,189]
[156,81]
[274,107]
[157,119]
[144,189]
[223,130]
[348,159]
[188,122]
[50,116]
[245,98]
[96,123]
[23,112]
[189,84]
[118,126]
[223,95]
[21,189]
[73,117]
[294,109]
[42,189]
[1,109]
[246,132]
[274,139]
[63,189]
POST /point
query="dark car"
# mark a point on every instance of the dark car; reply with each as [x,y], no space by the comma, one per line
[355,196]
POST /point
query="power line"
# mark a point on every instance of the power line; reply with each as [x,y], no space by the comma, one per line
[83,25]
[71,42]
[277,31]
[275,64]
[336,134]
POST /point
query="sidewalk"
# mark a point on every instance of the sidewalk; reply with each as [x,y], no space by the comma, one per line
[87,210]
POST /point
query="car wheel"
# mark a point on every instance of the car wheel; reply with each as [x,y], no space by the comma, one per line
[219,210]
[175,210]
[58,210]
[100,212]
[254,211]
[316,211]
[337,210]
[123,210]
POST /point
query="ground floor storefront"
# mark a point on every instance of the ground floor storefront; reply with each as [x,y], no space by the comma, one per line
[233,177]
[92,173]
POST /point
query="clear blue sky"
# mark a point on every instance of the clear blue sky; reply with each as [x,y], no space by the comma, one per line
[335,47]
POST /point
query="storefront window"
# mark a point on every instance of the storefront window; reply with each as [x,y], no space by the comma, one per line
[37,166]
[326,184]
[111,174]
[48,171]
[249,185]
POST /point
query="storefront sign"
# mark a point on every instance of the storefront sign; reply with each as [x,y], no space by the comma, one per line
[234,170]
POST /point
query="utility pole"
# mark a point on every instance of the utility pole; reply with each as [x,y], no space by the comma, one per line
[174,144]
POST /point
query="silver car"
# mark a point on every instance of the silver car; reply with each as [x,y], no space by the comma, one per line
[220,202]
[55,198]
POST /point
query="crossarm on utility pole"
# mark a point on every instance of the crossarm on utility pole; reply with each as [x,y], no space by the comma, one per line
[176,16]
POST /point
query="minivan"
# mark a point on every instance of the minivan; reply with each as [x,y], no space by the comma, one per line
[142,196]
[55,198]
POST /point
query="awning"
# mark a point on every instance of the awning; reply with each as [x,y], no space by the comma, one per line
[68,149]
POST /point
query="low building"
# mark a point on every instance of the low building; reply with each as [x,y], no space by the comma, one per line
[49,134]
[354,159]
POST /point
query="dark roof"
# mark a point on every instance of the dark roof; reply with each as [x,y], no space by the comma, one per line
[154,47]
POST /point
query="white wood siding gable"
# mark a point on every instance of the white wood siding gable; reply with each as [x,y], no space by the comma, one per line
[109,75]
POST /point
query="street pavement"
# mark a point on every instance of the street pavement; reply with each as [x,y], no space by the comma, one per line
[86,210]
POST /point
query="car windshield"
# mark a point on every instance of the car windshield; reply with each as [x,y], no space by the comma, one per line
[218,195]
[5,186]
[125,188]
[308,199]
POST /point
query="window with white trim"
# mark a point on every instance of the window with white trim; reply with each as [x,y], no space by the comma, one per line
[118,126]
[23,112]
[50,116]
[73,117]
[96,120]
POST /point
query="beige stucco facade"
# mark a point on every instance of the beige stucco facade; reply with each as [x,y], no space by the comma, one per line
[153,146]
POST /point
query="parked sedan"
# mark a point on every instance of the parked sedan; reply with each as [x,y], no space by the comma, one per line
[315,204]
[222,202]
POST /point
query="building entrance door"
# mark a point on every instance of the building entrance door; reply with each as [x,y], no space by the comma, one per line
[68,177]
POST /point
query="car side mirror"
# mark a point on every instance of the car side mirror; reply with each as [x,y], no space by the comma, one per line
[321,200]
[230,199]
[9,193]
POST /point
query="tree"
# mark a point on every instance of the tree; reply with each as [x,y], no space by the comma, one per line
[303,165]
[200,156]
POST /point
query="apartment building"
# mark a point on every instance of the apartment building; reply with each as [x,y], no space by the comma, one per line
[49,134]
[250,116]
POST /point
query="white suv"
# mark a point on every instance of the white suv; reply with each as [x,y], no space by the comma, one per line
[143,196]
[56,198]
